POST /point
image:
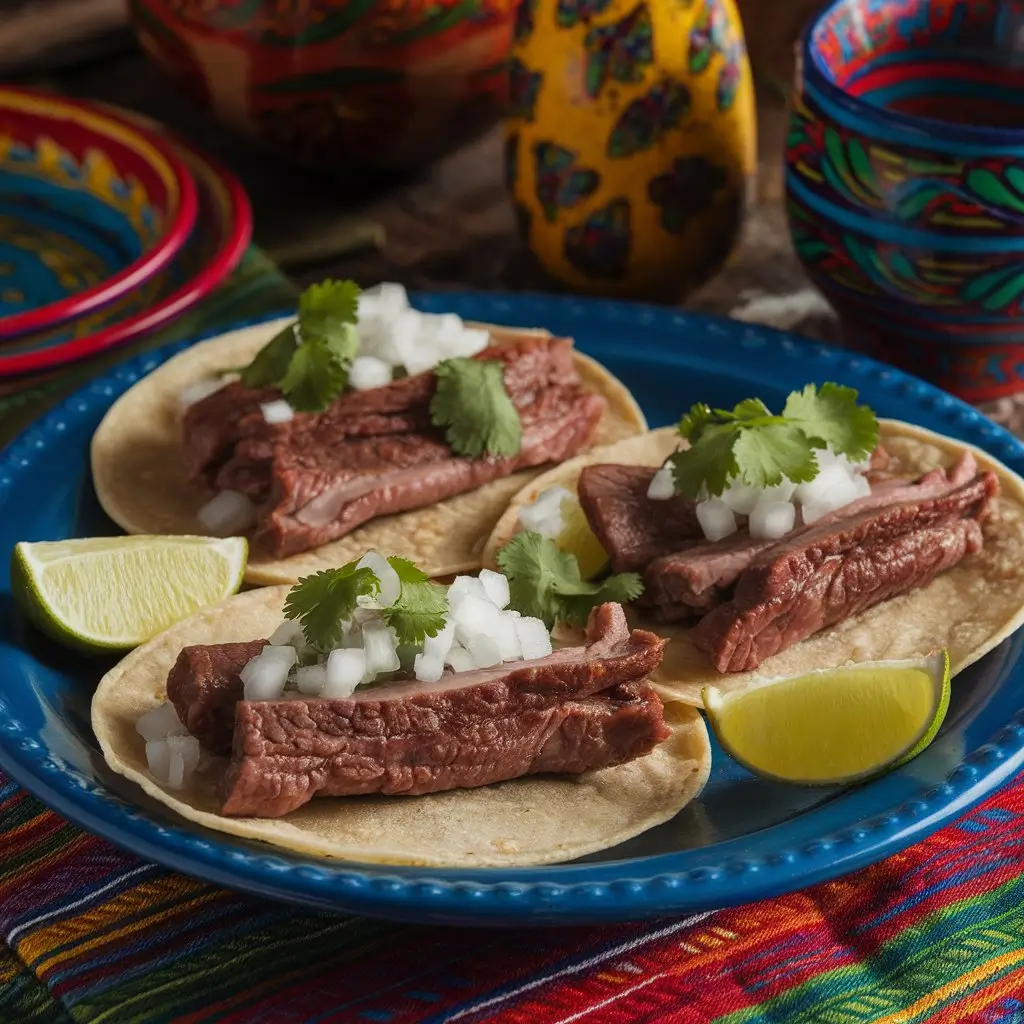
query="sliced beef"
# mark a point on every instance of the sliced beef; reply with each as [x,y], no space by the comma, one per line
[228,426]
[631,527]
[287,753]
[689,582]
[373,453]
[831,571]
[323,492]
[204,688]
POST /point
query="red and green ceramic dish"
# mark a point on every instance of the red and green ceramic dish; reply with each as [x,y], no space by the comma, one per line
[213,250]
[91,209]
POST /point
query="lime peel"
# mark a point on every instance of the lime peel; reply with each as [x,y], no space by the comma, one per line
[833,726]
[101,594]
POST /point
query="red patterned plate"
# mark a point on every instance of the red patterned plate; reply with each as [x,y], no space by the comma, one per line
[92,206]
[215,247]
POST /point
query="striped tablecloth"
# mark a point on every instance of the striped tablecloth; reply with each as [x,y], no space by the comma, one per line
[92,934]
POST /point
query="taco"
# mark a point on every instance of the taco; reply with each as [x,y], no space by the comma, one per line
[914,545]
[390,719]
[405,432]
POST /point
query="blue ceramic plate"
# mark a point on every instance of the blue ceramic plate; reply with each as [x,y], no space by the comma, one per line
[744,839]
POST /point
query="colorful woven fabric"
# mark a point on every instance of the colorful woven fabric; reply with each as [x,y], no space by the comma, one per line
[95,936]
[92,935]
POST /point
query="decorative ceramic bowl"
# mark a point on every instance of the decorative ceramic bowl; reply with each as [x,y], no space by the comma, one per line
[91,208]
[905,184]
[213,250]
[631,141]
[339,85]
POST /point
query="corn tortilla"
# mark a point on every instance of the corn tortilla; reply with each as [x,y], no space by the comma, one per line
[140,477]
[970,609]
[539,820]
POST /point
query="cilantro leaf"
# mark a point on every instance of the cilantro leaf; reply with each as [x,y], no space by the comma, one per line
[321,602]
[708,464]
[775,451]
[309,360]
[421,607]
[471,403]
[750,444]
[832,416]
[314,376]
[271,362]
[544,581]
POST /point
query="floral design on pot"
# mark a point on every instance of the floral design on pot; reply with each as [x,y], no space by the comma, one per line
[632,133]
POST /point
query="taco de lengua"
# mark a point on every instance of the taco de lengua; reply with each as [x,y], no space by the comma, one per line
[153,474]
[555,722]
[942,531]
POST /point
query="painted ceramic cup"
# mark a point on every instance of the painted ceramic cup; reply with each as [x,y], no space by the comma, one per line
[631,141]
[338,85]
[905,184]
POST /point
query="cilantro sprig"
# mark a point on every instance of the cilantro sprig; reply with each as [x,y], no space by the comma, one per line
[471,403]
[758,448]
[323,602]
[421,607]
[544,581]
[309,360]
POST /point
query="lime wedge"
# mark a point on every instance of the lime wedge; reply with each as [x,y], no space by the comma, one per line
[833,726]
[114,593]
[578,539]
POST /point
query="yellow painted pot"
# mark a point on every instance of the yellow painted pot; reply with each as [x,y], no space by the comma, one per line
[631,141]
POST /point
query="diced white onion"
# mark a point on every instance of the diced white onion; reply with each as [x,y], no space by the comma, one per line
[716,519]
[544,515]
[384,300]
[467,343]
[428,668]
[161,722]
[741,497]
[834,486]
[187,748]
[367,372]
[346,668]
[264,678]
[277,412]
[284,653]
[782,491]
[462,587]
[496,587]
[534,638]
[459,659]
[288,634]
[812,511]
[198,391]
[227,513]
[158,759]
[474,615]
[390,584]
[771,520]
[381,647]
[663,484]
[440,644]
[175,771]
[507,638]
[311,679]
[484,651]
[861,486]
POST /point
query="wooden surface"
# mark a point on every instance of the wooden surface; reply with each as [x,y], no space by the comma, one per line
[451,226]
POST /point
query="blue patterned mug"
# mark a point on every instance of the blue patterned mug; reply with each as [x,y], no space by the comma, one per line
[905,183]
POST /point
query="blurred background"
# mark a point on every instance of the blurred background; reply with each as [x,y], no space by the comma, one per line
[448,224]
